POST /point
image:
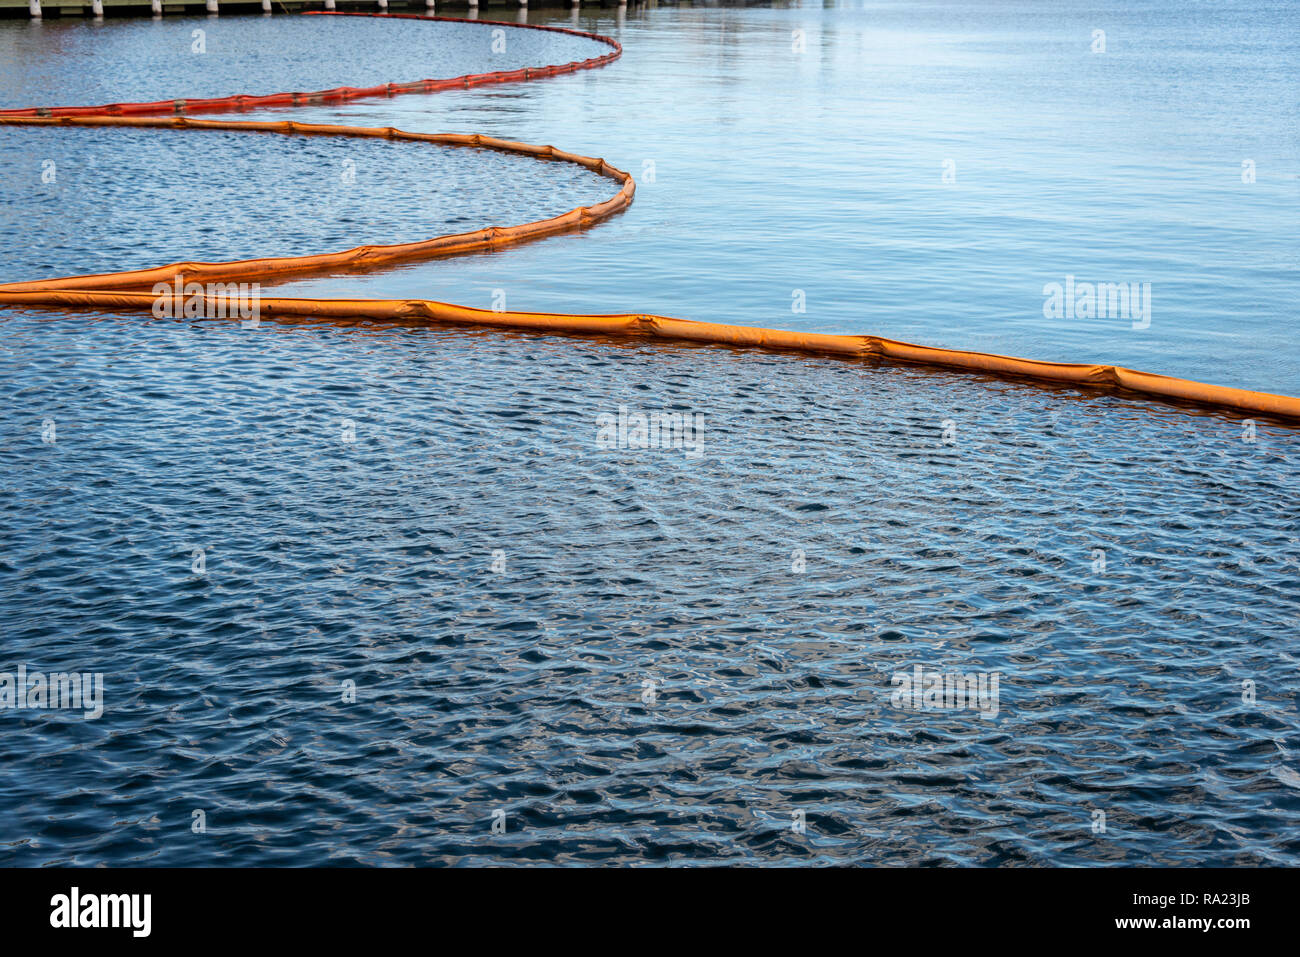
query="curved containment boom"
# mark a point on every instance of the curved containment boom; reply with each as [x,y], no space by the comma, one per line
[136,289]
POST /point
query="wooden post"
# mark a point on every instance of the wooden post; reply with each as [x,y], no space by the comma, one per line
[97,8]
[429,5]
[329,4]
[212,6]
[155,7]
[266,6]
[34,8]
[383,5]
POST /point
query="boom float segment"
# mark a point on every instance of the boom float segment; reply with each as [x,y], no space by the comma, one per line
[131,290]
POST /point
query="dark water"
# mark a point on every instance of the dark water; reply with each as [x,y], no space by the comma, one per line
[644,676]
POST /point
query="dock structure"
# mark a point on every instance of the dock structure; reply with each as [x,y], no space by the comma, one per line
[40,9]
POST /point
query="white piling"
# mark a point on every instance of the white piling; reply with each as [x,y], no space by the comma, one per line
[155,7]
[266,6]
[34,8]
[383,5]
[212,7]
[329,4]
[97,8]
[428,5]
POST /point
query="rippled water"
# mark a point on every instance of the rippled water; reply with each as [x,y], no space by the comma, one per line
[219,195]
[644,655]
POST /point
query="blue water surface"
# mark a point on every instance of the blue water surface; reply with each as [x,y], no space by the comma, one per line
[359,592]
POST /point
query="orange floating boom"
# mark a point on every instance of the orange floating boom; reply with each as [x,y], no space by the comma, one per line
[134,289]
